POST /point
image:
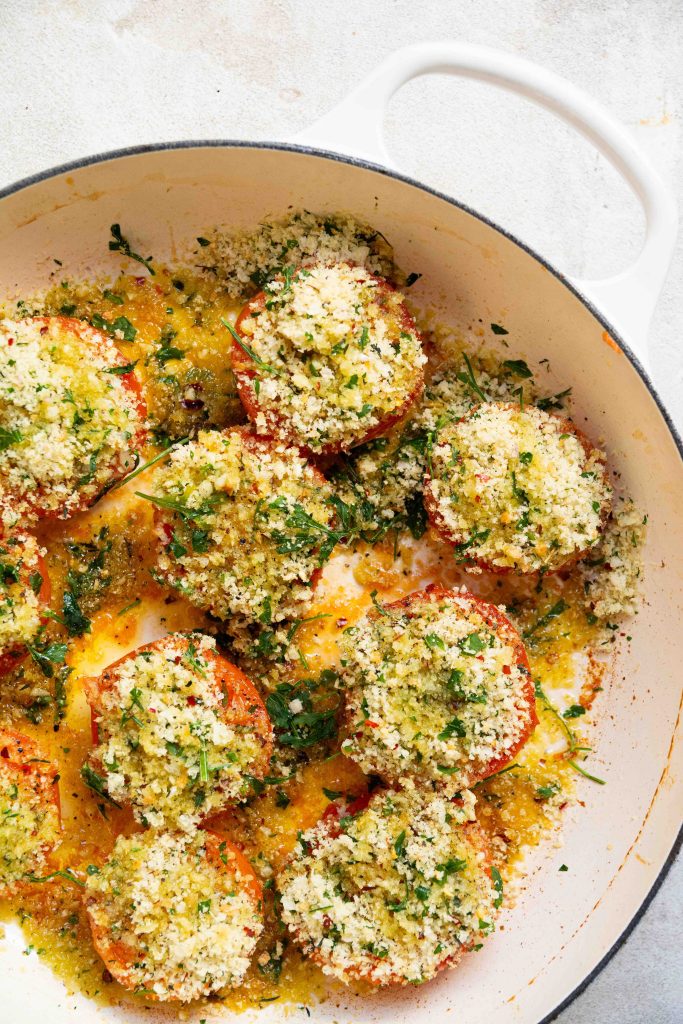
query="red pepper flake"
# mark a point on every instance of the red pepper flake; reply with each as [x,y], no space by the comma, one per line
[140,280]
[43,330]
[506,670]
[191,701]
[10,341]
[372,725]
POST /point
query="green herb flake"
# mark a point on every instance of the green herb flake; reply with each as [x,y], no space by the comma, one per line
[120,244]
[498,886]
[518,368]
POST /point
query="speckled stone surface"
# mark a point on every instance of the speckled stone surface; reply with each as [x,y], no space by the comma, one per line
[82,76]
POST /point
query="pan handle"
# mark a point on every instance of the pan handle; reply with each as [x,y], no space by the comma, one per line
[356,126]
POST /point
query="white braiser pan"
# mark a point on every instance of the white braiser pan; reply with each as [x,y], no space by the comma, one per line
[618,846]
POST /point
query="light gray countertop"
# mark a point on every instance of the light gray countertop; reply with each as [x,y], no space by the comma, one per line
[81,76]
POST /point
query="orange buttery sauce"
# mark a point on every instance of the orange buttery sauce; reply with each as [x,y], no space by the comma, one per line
[514,807]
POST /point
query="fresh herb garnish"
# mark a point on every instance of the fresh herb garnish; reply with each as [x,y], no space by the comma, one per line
[553,401]
[454,728]
[121,329]
[434,642]
[180,509]
[8,438]
[477,537]
[467,377]
[120,244]
[574,711]
[150,462]
[557,609]
[96,783]
[303,713]
[120,371]
[66,874]
[257,361]
[166,350]
[73,618]
[498,886]
[518,368]
[47,655]
[572,741]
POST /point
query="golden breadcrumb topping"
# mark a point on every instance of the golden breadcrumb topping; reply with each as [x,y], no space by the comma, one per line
[244,525]
[333,353]
[188,925]
[516,488]
[166,744]
[243,262]
[434,692]
[20,584]
[29,823]
[395,892]
[68,422]
[384,477]
[612,571]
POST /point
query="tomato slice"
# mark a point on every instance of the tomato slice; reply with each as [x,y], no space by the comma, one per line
[277,424]
[564,426]
[502,627]
[329,827]
[120,957]
[242,704]
[92,339]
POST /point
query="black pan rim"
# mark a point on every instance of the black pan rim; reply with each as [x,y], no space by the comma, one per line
[367,165]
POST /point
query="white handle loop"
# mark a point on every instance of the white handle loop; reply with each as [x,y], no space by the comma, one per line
[356,127]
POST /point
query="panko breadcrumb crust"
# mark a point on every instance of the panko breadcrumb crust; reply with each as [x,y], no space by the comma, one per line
[175,915]
[243,524]
[24,596]
[30,818]
[392,893]
[180,732]
[517,490]
[437,690]
[330,357]
[72,421]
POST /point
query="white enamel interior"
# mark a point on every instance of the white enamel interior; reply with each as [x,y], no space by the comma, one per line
[615,846]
